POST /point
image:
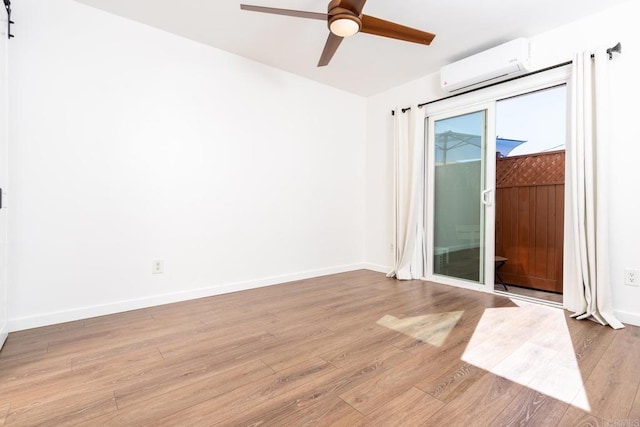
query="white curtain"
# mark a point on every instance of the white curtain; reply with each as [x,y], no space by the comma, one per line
[587,287]
[408,145]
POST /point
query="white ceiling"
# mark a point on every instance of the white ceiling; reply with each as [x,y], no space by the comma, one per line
[363,64]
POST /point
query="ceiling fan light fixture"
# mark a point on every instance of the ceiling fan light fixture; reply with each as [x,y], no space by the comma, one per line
[344,26]
[344,19]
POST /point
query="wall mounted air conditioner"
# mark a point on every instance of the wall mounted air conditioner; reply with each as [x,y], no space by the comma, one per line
[491,66]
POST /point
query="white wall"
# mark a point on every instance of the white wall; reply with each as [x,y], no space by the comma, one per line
[129,144]
[604,29]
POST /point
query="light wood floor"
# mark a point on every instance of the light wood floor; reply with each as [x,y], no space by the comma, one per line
[348,349]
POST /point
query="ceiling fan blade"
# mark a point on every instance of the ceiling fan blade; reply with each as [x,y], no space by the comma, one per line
[329,49]
[354,5]
[286,12]
[380,27]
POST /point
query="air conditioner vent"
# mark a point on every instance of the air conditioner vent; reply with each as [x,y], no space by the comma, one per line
[491,66]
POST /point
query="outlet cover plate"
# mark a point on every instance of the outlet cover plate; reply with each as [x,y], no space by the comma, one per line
[631,277]
[157,266]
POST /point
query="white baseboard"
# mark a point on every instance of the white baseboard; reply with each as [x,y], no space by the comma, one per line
[376,267]
[46,319]
[3,333]
[28,322]
[628,318]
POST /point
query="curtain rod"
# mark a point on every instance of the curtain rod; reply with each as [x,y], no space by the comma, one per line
[404,110]
[615,49]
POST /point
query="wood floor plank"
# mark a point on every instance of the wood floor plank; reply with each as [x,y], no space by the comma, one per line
[167,399]
[450,380]
[4,410]
[311,347]
[23,347]
[22,369]
[613,384]
[169,375]
[410,408]
[121,338]
[48,331]
[115,320]
[480,405]
[311,397]
[63,411]
[380,390]
[634,413]
[367,347]
[115,363]
[447,375]
[331,412]
[465,327]
[532,407]
[50,367]
[289,354]
[589,342]
[205,343]
[70,385]
[575,417]
[249,399]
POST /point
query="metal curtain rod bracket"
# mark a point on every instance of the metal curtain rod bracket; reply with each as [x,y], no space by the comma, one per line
[615,49]
[404,110]
[7,6]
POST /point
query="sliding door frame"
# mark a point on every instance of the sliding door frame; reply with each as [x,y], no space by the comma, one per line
[475,101]
[485,198]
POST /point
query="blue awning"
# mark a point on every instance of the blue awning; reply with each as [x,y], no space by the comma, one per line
[452,147]
[504,145]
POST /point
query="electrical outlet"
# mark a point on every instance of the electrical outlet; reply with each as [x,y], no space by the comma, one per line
[631,277]
[157,266]
[391,248]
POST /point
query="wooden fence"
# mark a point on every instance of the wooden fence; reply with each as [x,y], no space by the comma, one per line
[530,219]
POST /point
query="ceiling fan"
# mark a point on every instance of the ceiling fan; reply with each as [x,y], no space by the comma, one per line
[345,18]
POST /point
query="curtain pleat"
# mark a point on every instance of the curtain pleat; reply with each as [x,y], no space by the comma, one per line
[408,166]
[587,287]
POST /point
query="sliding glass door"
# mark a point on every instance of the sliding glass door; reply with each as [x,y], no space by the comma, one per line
[460,196]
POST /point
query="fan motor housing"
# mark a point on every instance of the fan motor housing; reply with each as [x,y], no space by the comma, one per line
[334,9]
[336,13]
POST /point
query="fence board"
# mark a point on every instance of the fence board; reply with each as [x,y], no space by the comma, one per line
[529,219]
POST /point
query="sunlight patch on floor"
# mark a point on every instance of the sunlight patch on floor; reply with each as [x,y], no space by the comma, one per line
[530,345]
[430,328]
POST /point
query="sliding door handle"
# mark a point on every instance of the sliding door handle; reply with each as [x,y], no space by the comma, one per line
[487,197]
